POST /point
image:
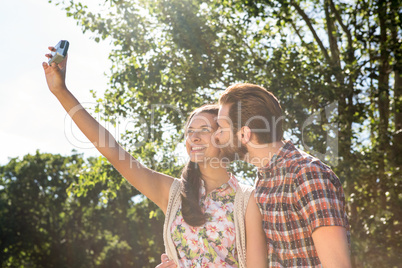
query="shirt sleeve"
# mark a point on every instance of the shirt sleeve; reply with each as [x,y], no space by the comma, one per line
[319,197]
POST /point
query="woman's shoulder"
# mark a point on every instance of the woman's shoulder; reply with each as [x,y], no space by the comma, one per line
[239,186]
[174,195]
[176,184]
[243,194]
[245,187]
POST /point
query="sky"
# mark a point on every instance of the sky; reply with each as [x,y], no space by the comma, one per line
[31,117]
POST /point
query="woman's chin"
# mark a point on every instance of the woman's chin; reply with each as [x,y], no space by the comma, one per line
[214,162]
[197,157]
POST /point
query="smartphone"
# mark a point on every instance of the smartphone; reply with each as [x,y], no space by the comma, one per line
[60,53]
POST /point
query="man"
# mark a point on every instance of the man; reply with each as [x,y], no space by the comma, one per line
[300,198]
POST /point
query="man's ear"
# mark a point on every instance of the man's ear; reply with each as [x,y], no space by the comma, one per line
[245,134]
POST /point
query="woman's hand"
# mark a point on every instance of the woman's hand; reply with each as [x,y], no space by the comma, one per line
[55,73]
[165,262]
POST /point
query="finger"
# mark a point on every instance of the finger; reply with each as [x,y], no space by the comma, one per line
[52,49]
[164,257]
[49,55]
[55,66]
[169,264]
[45,65]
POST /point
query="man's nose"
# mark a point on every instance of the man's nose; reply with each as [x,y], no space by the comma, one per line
[218,134]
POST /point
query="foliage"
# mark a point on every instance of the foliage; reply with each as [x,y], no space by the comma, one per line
[173,56]
[41,225]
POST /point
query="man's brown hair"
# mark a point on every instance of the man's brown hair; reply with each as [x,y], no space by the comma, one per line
[254,106]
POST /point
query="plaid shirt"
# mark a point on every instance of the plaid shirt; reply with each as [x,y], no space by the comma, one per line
[296,194]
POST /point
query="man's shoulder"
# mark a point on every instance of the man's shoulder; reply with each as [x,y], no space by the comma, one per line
[303,166]
[297,160]
[313,170]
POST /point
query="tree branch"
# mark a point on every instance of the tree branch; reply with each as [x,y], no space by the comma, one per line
[310,26]
[331,38]
[343,26]
[298,33]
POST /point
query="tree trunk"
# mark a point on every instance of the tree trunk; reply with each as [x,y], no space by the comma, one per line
[383,101]
[397,51]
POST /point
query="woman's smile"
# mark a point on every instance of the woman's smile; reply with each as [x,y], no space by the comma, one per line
[196,149]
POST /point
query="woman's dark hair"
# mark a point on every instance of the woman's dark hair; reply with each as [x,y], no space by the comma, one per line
[191,179]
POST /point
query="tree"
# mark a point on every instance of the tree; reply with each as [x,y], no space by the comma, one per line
[311,54]
[359,43]
[49,220]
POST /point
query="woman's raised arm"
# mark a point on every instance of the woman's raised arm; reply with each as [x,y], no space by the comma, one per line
[152,184]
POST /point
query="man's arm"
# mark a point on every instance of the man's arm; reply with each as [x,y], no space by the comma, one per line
[332,247]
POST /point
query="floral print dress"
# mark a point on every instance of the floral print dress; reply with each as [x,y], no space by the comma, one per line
[214,243]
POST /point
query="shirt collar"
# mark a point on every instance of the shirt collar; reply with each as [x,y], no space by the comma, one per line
[286,148]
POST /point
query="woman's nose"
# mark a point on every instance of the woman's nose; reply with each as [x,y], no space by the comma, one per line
[194,137]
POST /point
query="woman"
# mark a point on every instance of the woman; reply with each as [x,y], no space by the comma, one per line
[200,227]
